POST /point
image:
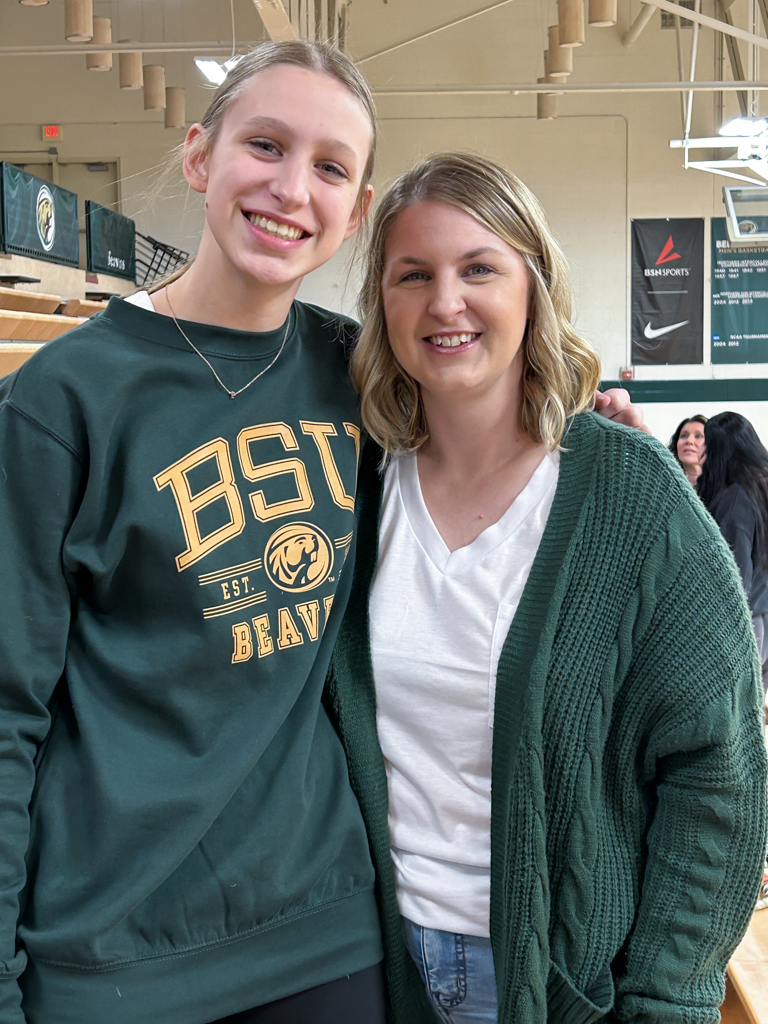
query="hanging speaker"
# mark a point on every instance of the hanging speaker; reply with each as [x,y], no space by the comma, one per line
[154,87]
[102,34]
[78,21]
[546,104]
[602,13]
[570,19]
[560,57]
[175,108]
[131,71]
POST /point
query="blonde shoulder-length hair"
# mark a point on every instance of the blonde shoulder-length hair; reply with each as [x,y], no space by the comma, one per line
[561,369]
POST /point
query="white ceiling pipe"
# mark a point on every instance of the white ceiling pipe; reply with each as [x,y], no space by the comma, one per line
[102,33]
[201,49]
[631,36]
[607,87]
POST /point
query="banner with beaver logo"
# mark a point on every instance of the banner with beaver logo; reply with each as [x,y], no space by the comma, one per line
[39,219]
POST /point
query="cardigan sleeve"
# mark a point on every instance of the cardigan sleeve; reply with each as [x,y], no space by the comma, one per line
[695,681]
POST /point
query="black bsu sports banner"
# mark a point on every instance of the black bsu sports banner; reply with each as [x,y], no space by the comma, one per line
[668,291]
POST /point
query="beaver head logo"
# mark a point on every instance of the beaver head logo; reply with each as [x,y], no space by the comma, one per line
[298,557]
[46,220]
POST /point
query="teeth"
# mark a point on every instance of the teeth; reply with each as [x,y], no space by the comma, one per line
[450,341]
[279,230]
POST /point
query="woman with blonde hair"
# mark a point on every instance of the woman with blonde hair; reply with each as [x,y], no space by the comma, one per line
[548,640]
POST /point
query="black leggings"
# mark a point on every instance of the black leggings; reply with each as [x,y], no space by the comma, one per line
[356,999]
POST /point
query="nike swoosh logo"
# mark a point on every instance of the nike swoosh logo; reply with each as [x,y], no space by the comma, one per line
[649,332]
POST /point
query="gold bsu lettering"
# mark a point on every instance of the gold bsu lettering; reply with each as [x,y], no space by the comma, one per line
[189,505]
[224,489]
[288,633]
[303,501]
[320,432]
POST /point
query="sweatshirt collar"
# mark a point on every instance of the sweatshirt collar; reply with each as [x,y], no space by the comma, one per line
[210,339]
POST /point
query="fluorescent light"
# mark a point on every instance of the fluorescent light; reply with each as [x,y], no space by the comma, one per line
[215,72]
[745,127]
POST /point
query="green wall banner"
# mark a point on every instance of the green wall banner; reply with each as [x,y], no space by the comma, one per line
[111,241]
[739,299]
[38,219]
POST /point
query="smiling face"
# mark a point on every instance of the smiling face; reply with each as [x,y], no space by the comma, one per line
[283,177]
[690,444]
[456,303]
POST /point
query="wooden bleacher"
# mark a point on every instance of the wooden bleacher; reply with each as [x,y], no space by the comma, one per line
[28,302]
[16,325]
[14,353]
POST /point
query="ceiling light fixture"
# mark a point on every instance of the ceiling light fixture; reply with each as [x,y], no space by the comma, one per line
[214,72]
[745,127]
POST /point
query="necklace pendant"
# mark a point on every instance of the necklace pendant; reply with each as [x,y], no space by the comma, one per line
[233,394]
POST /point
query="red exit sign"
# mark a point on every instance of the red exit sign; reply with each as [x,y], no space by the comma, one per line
[51,131]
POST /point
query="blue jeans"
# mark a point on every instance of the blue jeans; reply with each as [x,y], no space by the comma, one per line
[457,971]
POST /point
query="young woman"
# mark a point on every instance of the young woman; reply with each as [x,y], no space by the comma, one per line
[687,446]
[734,487]
[547,633]
[178,838]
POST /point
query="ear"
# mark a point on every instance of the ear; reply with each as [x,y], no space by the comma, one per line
[195,163]
[360,212]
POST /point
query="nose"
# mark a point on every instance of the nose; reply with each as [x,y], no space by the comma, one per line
[447,299]
[290,184]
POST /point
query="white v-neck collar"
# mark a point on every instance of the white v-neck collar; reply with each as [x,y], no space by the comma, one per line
[451,563]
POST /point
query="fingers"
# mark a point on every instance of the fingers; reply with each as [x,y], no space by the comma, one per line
[616,404]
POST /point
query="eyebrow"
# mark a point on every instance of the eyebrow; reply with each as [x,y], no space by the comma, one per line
[275,124]
[414,261]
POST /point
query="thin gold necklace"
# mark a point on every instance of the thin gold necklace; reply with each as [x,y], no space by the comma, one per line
[232,394]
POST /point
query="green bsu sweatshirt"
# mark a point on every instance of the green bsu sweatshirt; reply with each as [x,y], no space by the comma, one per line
[178,837]
[628,818]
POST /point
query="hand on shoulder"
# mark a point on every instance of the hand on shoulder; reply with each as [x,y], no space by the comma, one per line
[616,404]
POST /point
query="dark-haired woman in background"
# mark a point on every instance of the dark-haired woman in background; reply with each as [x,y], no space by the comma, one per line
[734,487]
[687,446]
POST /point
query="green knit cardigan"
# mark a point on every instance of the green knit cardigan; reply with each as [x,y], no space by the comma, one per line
[628,789]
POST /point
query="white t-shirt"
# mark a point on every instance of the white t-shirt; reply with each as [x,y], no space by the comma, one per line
[438,623]
[142,299]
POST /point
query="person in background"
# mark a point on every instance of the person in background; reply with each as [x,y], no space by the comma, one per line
[687,446]
[734,488]
[566,803]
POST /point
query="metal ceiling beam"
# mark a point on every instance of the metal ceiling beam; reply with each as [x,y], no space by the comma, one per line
[275,18]
[713,23]
[645,14]
[606,87]
[734,57]
[432,31]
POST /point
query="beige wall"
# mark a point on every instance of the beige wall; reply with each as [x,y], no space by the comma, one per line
[605,160]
